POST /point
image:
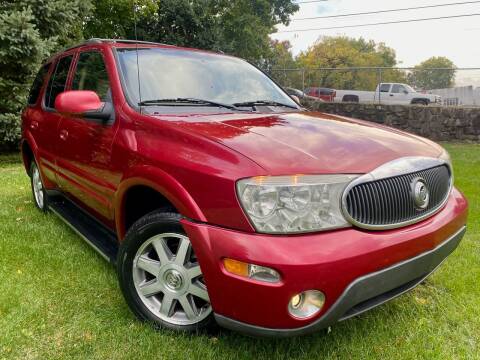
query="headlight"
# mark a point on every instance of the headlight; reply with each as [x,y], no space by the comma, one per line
[446,157]
[294,204]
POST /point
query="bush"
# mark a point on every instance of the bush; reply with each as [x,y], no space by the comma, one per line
[21,50]
[9,131]
[30,30]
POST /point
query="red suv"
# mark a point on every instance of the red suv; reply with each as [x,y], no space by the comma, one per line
[221,200]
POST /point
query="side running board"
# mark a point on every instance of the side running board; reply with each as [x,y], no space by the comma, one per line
[93,232]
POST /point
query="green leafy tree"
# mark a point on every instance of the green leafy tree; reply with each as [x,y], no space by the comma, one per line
[240,27]
[30,30]
[113,19]
[341,52]
[281,65]
[434,73]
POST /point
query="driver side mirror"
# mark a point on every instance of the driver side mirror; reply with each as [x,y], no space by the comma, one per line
[83,103]
[405,92]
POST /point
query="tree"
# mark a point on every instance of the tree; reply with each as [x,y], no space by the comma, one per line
[434,73]
[280,64]
[113,19]
[30,30]
[240,27]
[343,52]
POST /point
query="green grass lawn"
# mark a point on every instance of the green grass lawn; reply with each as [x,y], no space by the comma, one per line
[60,300]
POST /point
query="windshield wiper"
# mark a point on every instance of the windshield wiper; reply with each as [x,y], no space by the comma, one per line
[264,102]
[188,101]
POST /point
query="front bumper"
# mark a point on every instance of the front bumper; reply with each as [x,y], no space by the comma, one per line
[364,293]
[355,269]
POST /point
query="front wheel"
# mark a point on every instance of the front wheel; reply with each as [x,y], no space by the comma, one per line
[160,276]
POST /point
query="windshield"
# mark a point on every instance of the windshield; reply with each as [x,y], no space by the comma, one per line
[173,73]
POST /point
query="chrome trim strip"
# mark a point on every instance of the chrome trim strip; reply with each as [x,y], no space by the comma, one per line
[390,169]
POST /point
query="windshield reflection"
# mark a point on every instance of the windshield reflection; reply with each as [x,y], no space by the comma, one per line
[173,73]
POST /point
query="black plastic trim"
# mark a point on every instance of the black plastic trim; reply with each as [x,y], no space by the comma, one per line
[97,235]
[365,292]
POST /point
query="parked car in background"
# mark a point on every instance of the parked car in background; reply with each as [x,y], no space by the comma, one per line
[325,94]
[219,199]
[389,94]
[299,94]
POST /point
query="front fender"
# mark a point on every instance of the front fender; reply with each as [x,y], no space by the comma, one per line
[163,183]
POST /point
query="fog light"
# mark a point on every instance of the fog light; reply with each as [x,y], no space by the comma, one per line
[296,301]
[306,304]
[257,272]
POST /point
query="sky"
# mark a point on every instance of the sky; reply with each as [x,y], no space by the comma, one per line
[456,39]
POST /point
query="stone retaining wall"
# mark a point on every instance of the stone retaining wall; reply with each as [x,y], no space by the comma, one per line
[433,122]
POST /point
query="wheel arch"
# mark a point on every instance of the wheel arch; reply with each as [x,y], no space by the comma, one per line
[351,98]
[419,100]
[165,191]
[28,153]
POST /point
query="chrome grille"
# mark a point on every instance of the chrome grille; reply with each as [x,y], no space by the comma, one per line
[389,202]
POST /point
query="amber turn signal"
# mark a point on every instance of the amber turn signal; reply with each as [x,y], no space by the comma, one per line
[251,271]
[236,267]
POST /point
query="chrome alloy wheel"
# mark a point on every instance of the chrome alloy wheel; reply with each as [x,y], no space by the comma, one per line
[168,280]
[37,187]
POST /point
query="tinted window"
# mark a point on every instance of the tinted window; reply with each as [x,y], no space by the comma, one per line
[37,84]
[385,88]
[326,91]
[57,82]
[91,74]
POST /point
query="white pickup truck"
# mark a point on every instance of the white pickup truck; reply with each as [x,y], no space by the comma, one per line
[389,94]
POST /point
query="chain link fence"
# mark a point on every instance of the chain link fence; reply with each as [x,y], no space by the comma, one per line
[440,86]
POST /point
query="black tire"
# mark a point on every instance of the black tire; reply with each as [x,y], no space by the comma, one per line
[42,204]
[351,98]
[424,102]
[152,224]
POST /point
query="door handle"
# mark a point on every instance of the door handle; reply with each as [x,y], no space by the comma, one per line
[391,95]
[63,134]
[34,125]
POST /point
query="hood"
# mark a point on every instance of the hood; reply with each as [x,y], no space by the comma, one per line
[308,142]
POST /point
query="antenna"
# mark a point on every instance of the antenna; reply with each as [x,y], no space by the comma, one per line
[136,51]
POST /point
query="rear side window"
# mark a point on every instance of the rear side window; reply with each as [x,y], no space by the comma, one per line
[37,84]
[58,80]
[91,74]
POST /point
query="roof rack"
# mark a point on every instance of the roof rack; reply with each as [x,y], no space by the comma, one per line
[123,41]
[120,41]
[99,41]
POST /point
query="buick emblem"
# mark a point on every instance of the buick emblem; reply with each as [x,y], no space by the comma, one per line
[421,195]
[173,279]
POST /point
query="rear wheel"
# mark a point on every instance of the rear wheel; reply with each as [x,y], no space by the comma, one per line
[351,98]
[160,276]
[424,102]
[38,191]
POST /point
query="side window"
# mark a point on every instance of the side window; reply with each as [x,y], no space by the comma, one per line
[91,74]
[396,89]
[37,84]
[385,88]
[58,80]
